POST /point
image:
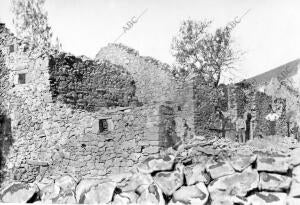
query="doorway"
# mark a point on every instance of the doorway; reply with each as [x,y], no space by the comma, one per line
[248,127]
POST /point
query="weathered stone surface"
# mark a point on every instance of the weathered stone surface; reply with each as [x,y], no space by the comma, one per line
[18,193]
[272,164]
[274,182]
[295,189]
[49,193]
[152,164]
[44,182]
[101,193]
[194,195]
[296,173]
[118,178]
[125,198]
[220,168]
[138,182]
[169,182]
[293,201]
[67,197]
[66,183]
[295,159]
[264,198]
[84,186]
[241,162]
[151,195]
[221,198]
[236,184]
[195,174]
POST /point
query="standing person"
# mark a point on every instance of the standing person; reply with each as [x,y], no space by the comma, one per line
[221,120]
[241,128]
[272,117]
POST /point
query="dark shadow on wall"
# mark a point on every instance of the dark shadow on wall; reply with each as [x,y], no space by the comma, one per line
[167,127]
[6,142]
[248,126]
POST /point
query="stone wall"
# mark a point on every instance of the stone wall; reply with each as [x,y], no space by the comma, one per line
[88,85]
[52,136]
[216,174]
[246,102]
[154,81]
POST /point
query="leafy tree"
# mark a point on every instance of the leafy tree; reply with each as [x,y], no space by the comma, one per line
[31,22]
[204,53]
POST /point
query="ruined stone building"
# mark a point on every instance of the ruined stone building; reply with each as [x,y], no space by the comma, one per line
[254,98]
[67,114]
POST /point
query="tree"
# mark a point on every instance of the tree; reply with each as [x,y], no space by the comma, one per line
[31,22]
[203,53]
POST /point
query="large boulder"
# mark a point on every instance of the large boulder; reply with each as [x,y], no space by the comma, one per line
[138,182]
[18,193]
[99,194]
[241,162]
[238,184]
[125,198]
[151,195]
[120,177]
[274,182]
[293,201]
[44,182]
[296,173]
[193,195]
[268,198]
[65,197]
[84,186]
[295,159]
[295,189]
[219,168]
[219,198]
[49,193]
[66,183]
[61,191]
[152,164]
[169,182]
[195,174]
[272,164]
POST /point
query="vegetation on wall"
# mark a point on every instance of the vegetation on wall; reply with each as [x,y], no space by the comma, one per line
[89,85]
[31,24]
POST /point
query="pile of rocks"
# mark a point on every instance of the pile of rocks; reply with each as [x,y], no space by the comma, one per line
[243,178]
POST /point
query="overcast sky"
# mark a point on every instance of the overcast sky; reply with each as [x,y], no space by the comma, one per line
[269,34]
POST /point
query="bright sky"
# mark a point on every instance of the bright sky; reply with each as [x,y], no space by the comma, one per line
[269,34]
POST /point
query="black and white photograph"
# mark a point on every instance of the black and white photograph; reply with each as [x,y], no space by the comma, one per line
[156,102]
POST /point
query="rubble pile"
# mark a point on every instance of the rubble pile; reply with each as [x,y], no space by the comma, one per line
[213,177]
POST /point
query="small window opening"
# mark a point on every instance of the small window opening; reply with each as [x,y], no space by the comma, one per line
[11,48]
[179,108]
[22,78]
[103,125]
[25,48]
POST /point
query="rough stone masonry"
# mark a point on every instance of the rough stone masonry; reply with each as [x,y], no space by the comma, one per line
[70,114]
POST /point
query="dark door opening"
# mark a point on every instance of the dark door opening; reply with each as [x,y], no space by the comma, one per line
[248,127]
